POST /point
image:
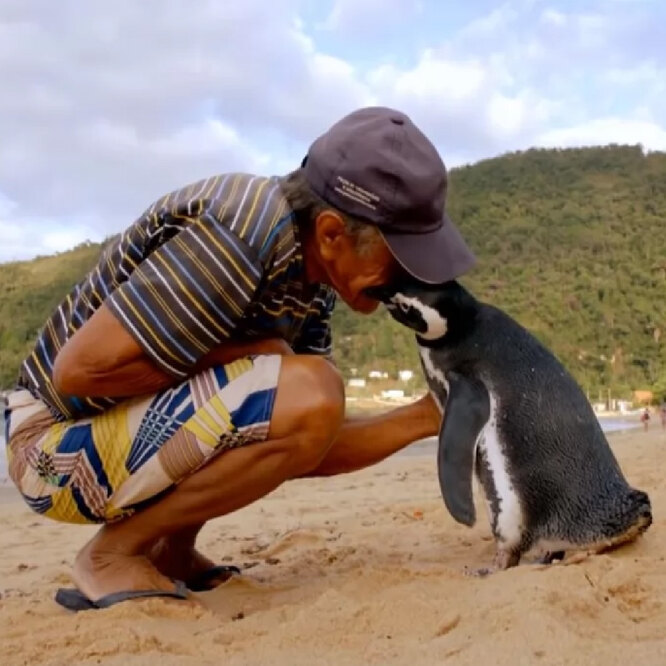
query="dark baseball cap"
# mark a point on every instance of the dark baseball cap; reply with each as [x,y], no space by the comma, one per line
[376,165]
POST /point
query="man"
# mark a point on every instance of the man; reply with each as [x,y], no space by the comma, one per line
[188,374]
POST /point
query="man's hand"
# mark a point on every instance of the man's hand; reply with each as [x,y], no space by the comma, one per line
[431,413]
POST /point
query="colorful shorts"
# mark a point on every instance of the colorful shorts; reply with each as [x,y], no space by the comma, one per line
[103,468]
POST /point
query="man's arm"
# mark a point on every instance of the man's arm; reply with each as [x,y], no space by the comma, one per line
[103,359]
[366,440]
[176,313]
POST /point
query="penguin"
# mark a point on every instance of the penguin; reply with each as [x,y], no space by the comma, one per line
[515,418]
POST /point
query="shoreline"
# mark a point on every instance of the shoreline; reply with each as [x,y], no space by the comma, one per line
[420,447]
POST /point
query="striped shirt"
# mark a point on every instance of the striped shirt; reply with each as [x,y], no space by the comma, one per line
[218,259]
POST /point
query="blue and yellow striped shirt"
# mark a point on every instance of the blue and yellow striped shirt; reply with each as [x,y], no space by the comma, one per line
[217,259]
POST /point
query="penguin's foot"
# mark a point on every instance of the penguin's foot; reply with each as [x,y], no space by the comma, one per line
[480,573]
[504,559]
[551,556]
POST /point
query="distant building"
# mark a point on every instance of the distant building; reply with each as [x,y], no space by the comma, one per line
[624,406]
[393,394]
[357,382]
[405,375]
[377,374]
[643,397]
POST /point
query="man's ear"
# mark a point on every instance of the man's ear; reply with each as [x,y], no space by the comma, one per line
[330,232]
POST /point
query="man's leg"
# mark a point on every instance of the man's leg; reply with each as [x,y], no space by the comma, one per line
[307,416]
[176,556]
[361,441]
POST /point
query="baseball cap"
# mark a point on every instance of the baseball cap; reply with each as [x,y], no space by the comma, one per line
[376,165]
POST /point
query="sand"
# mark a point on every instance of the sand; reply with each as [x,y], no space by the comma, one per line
[366,568]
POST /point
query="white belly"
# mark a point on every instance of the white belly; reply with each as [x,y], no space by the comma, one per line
[510,520]
[434,376]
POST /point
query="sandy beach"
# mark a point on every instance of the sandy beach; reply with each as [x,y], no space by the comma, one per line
[366,568]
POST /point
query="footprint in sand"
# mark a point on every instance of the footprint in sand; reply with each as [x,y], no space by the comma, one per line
[636,600]
[610,604]
[448,625]
[295,539]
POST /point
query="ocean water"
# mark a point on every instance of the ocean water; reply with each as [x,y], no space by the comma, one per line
[428,446]
[616,425]
[422,447]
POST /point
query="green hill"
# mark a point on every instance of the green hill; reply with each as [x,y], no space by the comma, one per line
[572,243]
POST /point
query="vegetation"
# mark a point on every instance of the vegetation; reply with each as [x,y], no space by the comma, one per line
[572,243]
[29,290]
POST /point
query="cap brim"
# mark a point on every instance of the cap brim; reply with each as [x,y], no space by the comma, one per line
[435,257]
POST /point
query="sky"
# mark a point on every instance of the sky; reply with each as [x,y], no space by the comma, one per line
[105,106]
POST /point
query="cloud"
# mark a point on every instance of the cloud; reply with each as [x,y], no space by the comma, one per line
[607,130]
[553,17]
[107,106]
[461,105]
[370,18]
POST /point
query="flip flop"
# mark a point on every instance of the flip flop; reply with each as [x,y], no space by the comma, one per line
[74,600]
[202,582]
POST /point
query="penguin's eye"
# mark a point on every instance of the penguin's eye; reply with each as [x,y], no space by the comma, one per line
[403,307]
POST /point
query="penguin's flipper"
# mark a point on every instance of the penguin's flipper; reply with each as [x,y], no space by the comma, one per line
[467,411]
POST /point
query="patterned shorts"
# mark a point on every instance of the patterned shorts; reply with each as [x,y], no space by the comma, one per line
[103,468]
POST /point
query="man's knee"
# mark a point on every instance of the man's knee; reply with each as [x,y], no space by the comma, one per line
[309,407]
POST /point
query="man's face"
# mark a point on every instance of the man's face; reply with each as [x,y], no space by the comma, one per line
[349,272]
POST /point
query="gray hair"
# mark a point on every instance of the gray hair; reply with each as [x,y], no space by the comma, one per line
[304,202]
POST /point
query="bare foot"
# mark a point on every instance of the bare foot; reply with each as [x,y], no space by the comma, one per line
[183,562]
[100,570]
